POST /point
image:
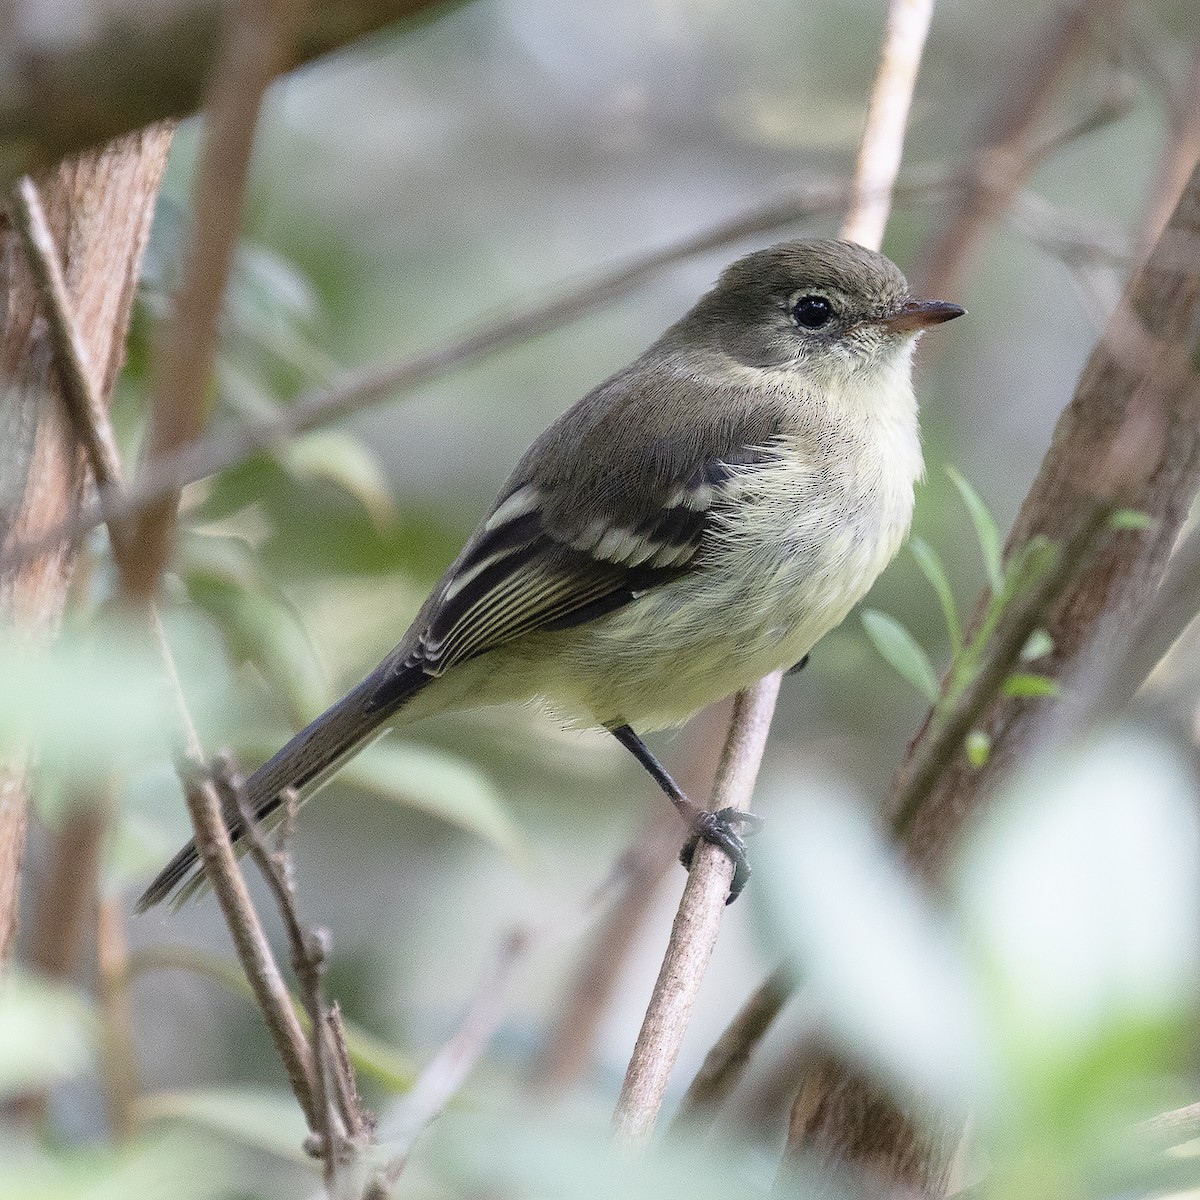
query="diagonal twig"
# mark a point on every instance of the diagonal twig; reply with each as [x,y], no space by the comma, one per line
[94,431]
[449,1068]
[254,50]
[698,919]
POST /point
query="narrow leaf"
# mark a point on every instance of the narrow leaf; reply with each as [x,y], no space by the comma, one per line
[979,748]
[901,651]
[1131,518]
[1023,684]
[985,530]
[268,1121]
[440,784]
[933,570]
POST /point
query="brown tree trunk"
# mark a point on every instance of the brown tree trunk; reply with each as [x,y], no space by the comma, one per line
[99,206]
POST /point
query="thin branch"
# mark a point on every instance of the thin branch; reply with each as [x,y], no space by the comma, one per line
[694,933]
[640,873]
[1006,157]
[88,414]
[253,950]
[448,1069]
[698,920]
[254,50]
[1003,163]
[309,952]
[91,422]
[882,143]
[726,1062]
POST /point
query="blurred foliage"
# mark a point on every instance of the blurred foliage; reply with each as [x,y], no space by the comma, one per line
[407,190]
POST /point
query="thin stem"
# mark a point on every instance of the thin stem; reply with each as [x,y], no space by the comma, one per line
[254,50]
[697,922]
[726,1062]
[698,919]
[448,1069]
[253,950]
[94,432]
[882,144]
[309,950]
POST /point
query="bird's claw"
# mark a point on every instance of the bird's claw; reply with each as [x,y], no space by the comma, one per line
[719,829]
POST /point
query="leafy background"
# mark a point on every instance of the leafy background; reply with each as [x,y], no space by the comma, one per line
[415,187]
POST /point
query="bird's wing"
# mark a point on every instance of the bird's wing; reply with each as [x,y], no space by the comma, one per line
[544,560]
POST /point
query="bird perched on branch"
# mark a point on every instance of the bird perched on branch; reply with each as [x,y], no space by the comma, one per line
[697,521]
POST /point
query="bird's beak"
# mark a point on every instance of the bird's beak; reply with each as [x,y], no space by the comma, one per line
[920,314]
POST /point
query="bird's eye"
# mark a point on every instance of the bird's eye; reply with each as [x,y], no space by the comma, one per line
[811,312]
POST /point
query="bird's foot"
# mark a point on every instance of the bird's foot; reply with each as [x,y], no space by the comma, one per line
[720,828]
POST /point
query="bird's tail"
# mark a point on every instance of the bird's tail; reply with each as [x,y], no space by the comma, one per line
[303,764]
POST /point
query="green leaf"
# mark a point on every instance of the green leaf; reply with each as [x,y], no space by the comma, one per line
[372,1056]
[270,1121]
[901,651]
[47,1032]
[1040,644]
[151,1167]
[88,704]
[1131,518]
[1021,685]
[985,530]
[440,784]
[933,570]
[259,625]
[979,748]
[344,460]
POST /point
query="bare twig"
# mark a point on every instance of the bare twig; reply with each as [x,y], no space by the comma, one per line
[1004,163]
[254,952]
[882,142]
[698,919]
[653,854]
[334,1099]
[254,51]
[694,932]
[88,415]
[449,1068]
[1007,155]
[726,1062]
[213,841]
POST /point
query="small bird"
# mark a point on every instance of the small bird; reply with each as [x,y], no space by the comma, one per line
[697,521]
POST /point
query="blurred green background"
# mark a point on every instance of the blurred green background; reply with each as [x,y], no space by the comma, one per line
[415,187]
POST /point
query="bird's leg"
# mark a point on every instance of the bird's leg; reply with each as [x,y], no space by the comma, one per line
[719,827]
